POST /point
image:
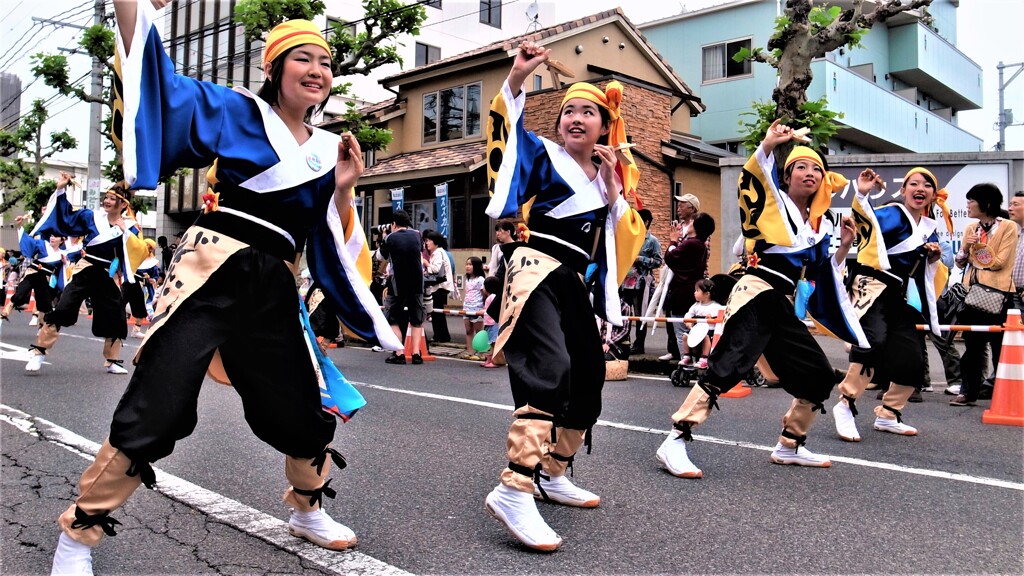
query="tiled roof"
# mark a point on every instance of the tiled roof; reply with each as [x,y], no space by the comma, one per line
[465,155]
[510,43]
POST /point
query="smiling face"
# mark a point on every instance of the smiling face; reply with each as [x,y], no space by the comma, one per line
[55,241]
[111,204]
[305,77]
[803,178]
[580,125]
[918,193]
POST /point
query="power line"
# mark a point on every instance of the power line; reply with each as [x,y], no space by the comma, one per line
[63,14]
[17,54]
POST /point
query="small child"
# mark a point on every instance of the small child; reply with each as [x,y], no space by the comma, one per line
[704,307]
[491,287]
[473,302]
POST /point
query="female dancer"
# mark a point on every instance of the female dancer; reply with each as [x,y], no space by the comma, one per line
[113,248]
[140,295]
[582,231]
[40,276]
[229,304]
[787,225]
[897,266]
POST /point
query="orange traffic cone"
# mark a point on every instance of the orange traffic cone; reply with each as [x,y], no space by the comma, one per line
[740,390]
[424,353]
[1008,396]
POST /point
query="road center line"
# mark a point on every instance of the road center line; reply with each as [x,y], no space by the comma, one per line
[994,482]
[222,509]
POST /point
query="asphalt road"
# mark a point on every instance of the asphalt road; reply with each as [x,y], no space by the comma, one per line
[430,445]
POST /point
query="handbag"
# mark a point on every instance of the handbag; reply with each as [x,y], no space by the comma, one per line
[951,303]
[984,298]
[434,279]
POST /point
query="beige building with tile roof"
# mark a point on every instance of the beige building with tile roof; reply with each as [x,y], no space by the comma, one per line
[439,117]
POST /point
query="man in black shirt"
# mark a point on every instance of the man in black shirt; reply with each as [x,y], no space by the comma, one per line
[403,247]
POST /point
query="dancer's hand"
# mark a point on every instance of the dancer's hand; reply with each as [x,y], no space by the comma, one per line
[777,133]
[847,232]
[63,180]
[869,180]
[606,170]
[528,58]
[350,164]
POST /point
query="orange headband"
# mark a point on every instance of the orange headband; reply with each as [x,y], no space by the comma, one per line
[941,195]
[290,34]
[830,183]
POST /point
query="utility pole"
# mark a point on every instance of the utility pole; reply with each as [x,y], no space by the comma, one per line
[1005,116]
[96,117]
[92,192]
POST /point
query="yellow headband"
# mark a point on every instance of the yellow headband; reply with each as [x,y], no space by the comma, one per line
[290,34]
[830,182]
[610,99]
[941,195]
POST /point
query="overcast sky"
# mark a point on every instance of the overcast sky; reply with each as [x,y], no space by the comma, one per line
[989,31]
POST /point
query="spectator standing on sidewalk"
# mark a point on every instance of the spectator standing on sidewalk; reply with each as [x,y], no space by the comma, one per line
[438,291]
[987,255]
[639,282]
[404,304]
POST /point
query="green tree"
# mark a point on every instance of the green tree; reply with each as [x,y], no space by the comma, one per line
[20,178]
[373,46]
[806,31]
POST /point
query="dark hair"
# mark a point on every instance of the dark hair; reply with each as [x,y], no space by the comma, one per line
[703,225]
[478,266]
[401,218]
[606,120]
[988,197]
[1018,194]
[507,226]
[271,88]
[492,284]
[437,238]
[706,285]
[789,170]
[646,215]
[161,241]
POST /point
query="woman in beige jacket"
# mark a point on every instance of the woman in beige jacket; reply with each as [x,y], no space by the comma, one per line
[987,255]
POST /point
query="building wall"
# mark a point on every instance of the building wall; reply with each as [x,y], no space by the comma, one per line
[680,39]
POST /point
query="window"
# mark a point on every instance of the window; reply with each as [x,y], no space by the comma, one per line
[426,54]
[538,81]
[490,12]
[451,114]
[718,63]
[335,23]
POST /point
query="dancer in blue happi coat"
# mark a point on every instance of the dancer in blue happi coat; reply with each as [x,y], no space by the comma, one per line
[229,306]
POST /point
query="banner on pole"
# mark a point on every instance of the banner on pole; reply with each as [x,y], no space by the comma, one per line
[397,199]
[443,213]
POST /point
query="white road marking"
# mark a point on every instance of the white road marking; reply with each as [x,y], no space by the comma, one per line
[220,508]
[994,482]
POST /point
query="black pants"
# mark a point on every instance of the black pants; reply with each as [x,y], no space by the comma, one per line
[972,363]
[768,325]
[249,311]
[554,355]
[890,325]
[134,295]
[39,283]
[438,320]
[95,283]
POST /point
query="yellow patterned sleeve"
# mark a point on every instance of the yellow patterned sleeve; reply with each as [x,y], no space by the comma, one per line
[629,238]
